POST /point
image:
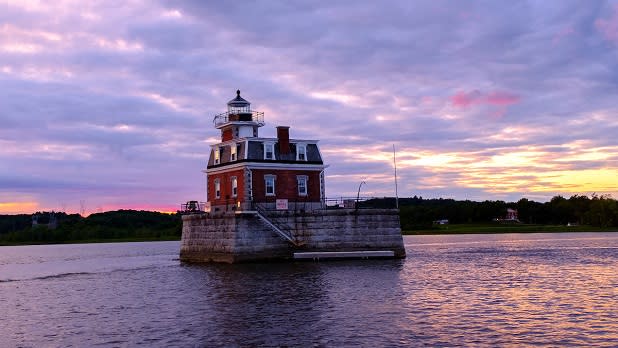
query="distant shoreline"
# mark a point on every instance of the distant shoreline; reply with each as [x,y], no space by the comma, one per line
[501,229]
[441,230]
[95,241]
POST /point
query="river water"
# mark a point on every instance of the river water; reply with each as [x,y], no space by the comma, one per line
[465,290]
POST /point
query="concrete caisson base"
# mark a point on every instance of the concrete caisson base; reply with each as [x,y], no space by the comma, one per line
[243,237]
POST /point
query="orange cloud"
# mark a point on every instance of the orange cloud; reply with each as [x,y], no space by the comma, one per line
[18,207]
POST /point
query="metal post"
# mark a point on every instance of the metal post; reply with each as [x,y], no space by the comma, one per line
[396,193]
[358,193]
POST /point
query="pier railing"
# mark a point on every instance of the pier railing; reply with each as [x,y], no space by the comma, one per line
[192,207]
[331,203]
[298,206]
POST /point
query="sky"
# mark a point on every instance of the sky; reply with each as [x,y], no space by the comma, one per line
[108,105]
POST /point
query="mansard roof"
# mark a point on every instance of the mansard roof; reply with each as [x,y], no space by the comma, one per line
[254,149]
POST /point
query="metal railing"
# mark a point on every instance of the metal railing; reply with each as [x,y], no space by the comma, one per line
[252,116]
[302,205]
[359,203]
[192,207]
[297,206]
[279,224]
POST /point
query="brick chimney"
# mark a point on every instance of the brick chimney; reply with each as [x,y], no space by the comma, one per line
[283,135]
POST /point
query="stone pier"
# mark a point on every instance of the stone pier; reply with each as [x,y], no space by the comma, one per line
[243,237]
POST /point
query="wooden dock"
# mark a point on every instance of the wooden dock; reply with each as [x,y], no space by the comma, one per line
[332,255]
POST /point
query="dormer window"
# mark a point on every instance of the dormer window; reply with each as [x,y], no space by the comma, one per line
[301,152]
[269,151]
[217,155]
[233,152]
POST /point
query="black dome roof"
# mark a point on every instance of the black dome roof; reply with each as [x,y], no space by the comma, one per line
[238,101]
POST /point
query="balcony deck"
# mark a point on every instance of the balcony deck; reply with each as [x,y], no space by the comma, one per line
[225,118]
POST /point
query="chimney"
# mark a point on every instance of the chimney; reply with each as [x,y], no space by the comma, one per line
[283,135]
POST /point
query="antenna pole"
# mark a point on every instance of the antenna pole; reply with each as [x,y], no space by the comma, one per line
[396,193]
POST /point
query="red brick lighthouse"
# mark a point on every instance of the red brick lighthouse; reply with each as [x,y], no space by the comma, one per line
[246,172]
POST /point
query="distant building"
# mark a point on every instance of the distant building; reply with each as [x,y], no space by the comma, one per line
[511,214]
[245,169]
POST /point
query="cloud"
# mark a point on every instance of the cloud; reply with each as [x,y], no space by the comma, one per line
[482,100]
[463,99]
[609,27]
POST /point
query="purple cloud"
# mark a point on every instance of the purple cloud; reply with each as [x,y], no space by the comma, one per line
[482,100]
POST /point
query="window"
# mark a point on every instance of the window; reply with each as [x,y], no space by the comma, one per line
[217,188]
[217,155]
[233,151]
[269,151]
[302,185]
[301,152]
[234,186]
[269,182]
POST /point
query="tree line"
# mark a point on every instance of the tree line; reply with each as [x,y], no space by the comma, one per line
[419,213]
[120,224]
[415,213]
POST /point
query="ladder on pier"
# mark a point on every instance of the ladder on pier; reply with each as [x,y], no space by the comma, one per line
[287,236]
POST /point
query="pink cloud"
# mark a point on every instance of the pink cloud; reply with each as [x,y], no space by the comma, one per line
[501,98]
[463,99]
[609,27]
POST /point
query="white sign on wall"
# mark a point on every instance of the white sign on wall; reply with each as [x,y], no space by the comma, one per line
[282,204]
[207,207]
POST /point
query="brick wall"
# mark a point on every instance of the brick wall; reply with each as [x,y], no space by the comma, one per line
[286,186]
[226,187]
[227,134]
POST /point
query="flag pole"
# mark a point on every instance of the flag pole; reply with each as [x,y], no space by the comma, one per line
[396,193]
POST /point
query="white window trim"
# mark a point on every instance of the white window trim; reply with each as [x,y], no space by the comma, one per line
[272,146]
[268,177]
[304,179]
[234,184]
[322,188]
[217,188]
[298,147]
[233,152]
[217,155]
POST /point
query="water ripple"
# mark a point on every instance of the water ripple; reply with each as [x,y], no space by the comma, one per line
[479,291]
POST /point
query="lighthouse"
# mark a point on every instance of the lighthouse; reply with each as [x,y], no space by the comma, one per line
[265,201]
[246,172]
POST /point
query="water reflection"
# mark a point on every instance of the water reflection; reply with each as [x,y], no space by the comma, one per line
[549,291]
[284,304]
[482,290]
